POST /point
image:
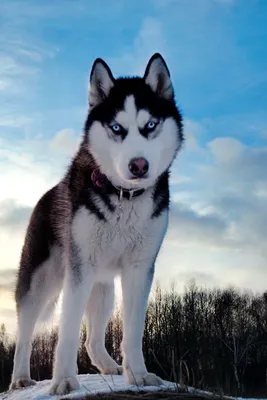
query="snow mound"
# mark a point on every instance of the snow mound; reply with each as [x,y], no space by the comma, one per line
[90,384]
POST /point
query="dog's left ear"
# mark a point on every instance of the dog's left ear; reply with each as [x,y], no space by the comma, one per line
[101,81]
[157,76]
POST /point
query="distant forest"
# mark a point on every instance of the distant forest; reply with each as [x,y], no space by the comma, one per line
[210,339]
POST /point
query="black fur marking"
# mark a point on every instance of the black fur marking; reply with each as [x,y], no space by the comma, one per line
[117,136]
[92,207]
[81,186]
[145,99]
[106,200]
[76,262]
[161,195]
[150,134]
[151,271]
[40,238]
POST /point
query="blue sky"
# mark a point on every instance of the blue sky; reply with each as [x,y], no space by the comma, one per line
[216,52]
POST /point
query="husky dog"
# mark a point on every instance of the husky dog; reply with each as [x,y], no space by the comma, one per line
[107,217]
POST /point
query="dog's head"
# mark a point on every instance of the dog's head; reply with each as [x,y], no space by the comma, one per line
[134,129]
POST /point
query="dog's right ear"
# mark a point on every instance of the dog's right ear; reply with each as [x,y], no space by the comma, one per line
[101,81]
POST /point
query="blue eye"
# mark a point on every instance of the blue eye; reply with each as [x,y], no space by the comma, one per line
[116,128]
[151,125]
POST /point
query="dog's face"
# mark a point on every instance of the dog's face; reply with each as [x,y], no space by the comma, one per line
[134,129]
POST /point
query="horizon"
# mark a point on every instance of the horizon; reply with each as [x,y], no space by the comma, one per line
[215,51]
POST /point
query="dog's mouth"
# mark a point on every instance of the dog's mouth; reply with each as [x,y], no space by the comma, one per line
[138,179]
[101,180]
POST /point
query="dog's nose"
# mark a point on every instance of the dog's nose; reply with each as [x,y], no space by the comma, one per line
[138,166]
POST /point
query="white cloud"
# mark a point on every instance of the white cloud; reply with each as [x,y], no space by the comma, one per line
[261,190]
[219,218]
[27,169]
[174,180]
[14,121]
[193,131]
[13,217]
[15,73]
[21,57]
[149,40]
[226,149]
[65,141]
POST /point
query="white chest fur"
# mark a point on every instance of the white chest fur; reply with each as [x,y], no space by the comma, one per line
[107,245]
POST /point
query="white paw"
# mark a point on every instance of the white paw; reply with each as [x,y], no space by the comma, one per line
[114,370]
[143,379]
[21,383]
[64,385]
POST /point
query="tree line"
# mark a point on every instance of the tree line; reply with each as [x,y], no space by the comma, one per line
[209,339]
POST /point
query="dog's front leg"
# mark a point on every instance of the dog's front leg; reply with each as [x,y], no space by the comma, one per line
[75,296]
[136,283]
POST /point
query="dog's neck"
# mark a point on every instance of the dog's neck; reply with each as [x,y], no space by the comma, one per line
[101,181]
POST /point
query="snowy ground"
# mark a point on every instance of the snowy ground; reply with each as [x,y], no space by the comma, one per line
[90,384]
[95,384]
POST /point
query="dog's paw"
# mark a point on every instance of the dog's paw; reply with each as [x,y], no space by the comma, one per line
[114,370]
[64,385]
[21,383]
[144,379]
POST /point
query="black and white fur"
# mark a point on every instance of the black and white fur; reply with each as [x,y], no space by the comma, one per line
[82,235]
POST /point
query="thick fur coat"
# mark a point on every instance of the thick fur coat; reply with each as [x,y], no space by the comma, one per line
[106,218]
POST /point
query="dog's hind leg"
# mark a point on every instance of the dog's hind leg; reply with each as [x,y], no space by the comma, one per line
[31,303]
[97,314]
[27,316]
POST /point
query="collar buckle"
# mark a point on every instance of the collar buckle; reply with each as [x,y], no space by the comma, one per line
[127,193]
[131,193]
[100,181]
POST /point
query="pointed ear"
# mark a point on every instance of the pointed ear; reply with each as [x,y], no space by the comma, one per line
[101,81]
[157,76]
